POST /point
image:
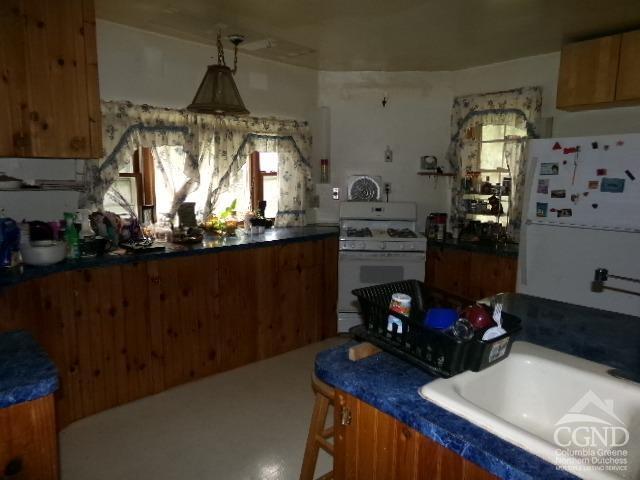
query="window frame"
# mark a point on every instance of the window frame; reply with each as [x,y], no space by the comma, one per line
[257,176]
[143,175]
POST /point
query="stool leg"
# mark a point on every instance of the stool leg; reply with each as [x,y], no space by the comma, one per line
[318,419]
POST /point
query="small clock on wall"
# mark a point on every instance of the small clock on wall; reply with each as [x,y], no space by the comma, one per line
[428,163]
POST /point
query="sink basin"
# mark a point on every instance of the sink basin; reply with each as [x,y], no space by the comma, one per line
[563,409]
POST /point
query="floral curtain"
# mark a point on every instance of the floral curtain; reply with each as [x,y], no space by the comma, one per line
[518,108]
[214,148]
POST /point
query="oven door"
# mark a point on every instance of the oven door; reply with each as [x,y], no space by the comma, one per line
[363,269]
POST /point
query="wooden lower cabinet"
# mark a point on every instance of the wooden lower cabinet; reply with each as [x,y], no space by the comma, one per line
[123,332]
[29,441]
[470,275]
[371,445]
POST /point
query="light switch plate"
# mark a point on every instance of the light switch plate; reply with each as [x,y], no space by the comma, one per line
[335,193]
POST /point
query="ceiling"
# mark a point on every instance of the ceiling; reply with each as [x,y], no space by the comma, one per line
[381,35]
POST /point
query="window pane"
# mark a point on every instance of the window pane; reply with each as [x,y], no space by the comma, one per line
[492,132]
[122,192]
[271,195]
[268,162]
[238,190]
[514,131]
[491,156]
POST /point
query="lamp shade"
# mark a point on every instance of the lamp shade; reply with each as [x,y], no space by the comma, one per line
[218,93]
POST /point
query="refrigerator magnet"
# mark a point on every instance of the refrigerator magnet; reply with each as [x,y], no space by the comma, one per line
[606,147]
[558,193]
[593,184]
[549,169]
[601,172]
[612,185]
[575,197]
[553,210]
[565,212]
[620,143]
[541,209]
[594,145]
[630,175]
[543,186]
[557,146]
[594,205]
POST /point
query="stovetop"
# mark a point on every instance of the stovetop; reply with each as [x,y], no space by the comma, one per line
[358,232]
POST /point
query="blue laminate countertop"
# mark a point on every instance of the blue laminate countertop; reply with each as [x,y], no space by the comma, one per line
[391,385]
[26,373]
[217,244]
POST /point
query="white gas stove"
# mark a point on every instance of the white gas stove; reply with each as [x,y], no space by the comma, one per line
[378,244]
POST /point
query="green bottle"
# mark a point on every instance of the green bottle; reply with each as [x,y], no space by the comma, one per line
[71,236]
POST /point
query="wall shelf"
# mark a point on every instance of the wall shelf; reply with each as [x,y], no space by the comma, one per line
[435,174]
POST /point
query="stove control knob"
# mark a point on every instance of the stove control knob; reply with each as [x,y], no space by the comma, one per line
[383,246]
[401,246]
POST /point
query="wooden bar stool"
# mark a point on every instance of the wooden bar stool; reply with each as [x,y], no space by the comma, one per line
[318,434]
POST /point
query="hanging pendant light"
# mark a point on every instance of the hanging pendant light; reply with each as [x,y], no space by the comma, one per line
[218,92]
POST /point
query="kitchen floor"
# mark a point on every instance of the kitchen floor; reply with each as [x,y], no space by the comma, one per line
[245,424]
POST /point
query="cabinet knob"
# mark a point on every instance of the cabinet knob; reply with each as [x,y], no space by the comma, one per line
[78,143]
[13,468]
[21,140]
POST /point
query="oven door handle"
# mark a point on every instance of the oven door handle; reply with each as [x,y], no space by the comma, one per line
[394,256]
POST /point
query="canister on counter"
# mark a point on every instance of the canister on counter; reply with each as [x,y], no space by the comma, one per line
[401,304]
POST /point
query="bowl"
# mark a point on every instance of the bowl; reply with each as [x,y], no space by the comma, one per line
[441,318]
[479,317]
[43,252]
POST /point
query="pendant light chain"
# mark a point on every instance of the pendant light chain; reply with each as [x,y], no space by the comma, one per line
[221,60]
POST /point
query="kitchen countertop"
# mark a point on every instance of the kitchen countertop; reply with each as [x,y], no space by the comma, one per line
[507,250]
[26,373]
[270,237]
[391,385]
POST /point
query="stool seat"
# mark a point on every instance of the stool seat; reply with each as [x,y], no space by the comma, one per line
[318,435]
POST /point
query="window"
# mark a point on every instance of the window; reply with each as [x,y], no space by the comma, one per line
[150,183]
[493,145]
[134,189]
[488,152]
[264,182]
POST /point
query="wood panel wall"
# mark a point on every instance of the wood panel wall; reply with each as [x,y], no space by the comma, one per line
[376,446]
[124,332]
[29,441]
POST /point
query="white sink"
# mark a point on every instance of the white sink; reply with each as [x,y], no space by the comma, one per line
[537,397]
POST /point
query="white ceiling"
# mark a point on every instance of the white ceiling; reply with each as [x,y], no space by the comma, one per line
[391,35]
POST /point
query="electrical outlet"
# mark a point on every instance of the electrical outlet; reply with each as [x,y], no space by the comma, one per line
[388,154]
[335,193]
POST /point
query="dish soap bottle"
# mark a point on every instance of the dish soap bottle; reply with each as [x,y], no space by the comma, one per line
[71,236]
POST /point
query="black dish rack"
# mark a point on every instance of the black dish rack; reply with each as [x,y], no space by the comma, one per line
[434,351]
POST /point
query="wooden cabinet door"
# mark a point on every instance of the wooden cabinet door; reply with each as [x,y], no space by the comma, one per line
[49,79]
[448,270]
[491,274]
[371,445]
[588,72]
[628,87]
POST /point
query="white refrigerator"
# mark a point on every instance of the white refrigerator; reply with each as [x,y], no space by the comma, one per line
[581,212]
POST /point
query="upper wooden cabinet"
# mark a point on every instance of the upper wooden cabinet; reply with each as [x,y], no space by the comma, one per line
[600,73]
[628,87]
[588,73]
[49,79]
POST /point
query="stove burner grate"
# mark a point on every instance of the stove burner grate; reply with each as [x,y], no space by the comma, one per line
[404,233]
[359,232]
